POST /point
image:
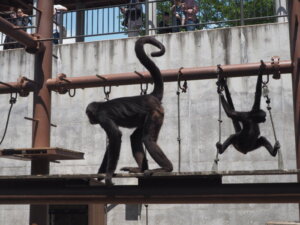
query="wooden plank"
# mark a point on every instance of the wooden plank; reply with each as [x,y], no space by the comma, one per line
[49,153]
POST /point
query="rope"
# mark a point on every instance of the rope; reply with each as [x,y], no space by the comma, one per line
[220,89]
[183,90]
[268,101]
[147,215]
[12,101]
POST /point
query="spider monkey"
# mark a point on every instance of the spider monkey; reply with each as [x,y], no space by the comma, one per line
[246,138]
[145,113]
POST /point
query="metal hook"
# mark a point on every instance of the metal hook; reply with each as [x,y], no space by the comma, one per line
[107,92]
[266,82]
[74,93]
[221,78]
[184,87]
[144,90]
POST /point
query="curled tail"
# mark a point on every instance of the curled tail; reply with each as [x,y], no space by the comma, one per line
[158,90]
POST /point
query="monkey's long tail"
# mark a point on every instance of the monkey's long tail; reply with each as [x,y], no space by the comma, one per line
[149,64]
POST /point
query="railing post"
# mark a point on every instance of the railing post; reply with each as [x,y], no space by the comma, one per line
[147,17]
[242,13]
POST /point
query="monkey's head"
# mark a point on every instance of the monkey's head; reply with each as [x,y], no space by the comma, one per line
[259,116]
[91,111]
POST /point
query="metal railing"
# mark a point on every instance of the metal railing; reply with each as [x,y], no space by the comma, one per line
[157,16]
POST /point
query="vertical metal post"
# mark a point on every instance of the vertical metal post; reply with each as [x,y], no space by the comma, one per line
[80,21]
[42,103]
[294,20]
[97,214]
[242,13]
[147,17]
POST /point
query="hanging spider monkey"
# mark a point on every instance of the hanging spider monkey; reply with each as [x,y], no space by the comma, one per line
[145,113]
[246,138]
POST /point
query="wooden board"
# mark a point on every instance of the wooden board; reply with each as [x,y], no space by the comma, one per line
[52,154]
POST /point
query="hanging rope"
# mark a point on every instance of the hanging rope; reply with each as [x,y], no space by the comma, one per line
[147,216]
[268,102]
[12,101]
[220,89]
[183,90]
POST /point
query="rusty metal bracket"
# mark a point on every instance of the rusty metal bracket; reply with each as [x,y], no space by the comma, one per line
[23,86]
[101,77]
[60,81]
[36,121]
[36,37]
[276,66]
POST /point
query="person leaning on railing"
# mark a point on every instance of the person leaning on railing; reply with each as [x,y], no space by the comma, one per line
[10,16]
[178,17]
[22,20]
[57,22]
[132,17]
[190,9]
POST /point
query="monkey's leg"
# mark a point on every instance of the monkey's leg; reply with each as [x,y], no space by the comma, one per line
[222,147]
[262,141]
[113,149]
[150,135]
[138,152]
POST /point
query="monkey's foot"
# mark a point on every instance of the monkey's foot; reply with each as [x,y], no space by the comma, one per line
[219,147]
[276,148]
[132,169]
[108,180]
[148,173]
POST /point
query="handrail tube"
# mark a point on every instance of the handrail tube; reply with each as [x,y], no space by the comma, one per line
[198,73]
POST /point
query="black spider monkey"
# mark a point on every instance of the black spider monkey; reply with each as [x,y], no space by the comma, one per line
[246,138]
[145,113]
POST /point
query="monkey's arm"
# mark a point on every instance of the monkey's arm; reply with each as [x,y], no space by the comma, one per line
[256,105]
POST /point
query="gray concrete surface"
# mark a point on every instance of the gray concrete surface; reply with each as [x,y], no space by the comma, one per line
[199,110]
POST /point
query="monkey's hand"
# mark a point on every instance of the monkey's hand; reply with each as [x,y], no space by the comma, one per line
[276,148]
[219,147]
[132,169]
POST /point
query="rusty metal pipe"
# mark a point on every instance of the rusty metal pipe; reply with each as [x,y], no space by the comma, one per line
[23,86]
[198,73]
[19,35]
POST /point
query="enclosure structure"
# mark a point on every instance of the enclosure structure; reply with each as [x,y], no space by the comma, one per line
[291,190]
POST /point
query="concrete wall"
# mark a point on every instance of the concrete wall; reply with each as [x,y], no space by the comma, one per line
[199,108]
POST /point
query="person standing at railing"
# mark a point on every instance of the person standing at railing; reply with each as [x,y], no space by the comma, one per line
[10,16]
[178,15]
[133,17]
[163,26]
[57,22]
[190,10]
[22,20]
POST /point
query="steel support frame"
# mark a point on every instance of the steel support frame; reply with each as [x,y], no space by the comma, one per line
[294,21]
[72,192]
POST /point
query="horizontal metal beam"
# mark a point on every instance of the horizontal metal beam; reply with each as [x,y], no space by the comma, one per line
[23,86]
[62,83]
[19,35]
[80,191]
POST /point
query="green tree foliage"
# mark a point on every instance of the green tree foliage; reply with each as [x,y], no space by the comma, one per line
[224,13]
